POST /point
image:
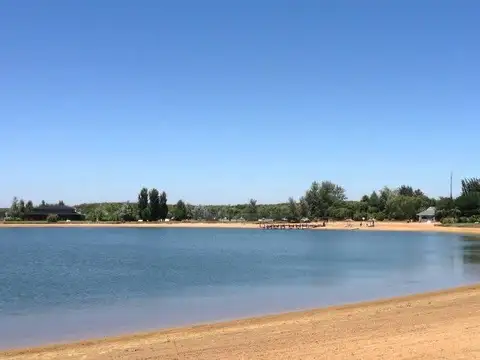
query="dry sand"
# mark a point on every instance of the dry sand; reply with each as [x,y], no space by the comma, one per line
[441,325]
[338,225]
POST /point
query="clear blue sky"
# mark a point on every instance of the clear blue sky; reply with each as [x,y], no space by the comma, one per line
[220,101]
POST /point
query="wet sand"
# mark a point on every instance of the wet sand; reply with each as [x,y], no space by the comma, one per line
[440,325]
[338,225]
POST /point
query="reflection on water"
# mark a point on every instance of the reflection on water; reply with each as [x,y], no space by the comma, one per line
[471,249]
[471,255]
[77,283]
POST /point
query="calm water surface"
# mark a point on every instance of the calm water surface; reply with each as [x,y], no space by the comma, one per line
[65,284]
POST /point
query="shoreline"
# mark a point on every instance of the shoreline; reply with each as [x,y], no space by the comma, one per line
[440,324]
[338,225]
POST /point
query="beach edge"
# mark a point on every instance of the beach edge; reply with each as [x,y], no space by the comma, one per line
[169,333]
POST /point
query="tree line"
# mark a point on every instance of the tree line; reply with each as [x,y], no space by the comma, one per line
[20,208]
[321,201]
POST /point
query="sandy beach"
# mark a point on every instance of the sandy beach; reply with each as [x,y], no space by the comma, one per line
[338,225]
[440,325]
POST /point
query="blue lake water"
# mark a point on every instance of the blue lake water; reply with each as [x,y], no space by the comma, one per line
[66,284]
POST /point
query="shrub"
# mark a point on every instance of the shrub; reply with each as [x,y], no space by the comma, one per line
[474,219]
[380,216]
[449,220]
[52,218]
[358,216]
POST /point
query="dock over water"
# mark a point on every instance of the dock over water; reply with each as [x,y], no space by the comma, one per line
[301,226]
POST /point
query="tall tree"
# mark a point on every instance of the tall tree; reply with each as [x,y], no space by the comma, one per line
[21,209]
[29,206]
[385,194]
[364,205]
[313,199]
[252,210]
[374,199]
[470,185]
[143,212]
[163,206]
[321,197]
[405,190]
[303,208]
[180,212]
[468,204]
[293,209]
[154,205]
[374,204]
[14,211]
[418,193]
[126,212]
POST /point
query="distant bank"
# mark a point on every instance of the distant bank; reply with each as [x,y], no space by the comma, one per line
[337,225]
[430,326]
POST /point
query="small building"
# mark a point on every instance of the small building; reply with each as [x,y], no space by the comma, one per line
[427,215]
[63,212]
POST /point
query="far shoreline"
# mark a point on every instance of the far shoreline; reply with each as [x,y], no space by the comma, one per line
[337,225]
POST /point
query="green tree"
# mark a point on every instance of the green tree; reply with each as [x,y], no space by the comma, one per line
[373,205]
[340,213]
[402,207]
[405,190]
[446,208]
[143,211]
[418,193]
[470,185]
[128,212]
[364,205]
[180,212]
[252,210]
[163,206]
[385,195]
[14,211]
[313,199]
[303,208]
[321,197]
[468,204]
[201,212]
[293,209]
[29,206]
[190,211]
[21,209]
[154,205]
[97,214]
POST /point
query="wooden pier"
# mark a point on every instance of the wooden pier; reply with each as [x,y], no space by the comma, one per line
[300,226]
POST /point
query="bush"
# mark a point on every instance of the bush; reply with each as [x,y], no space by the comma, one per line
[474,219]
[52,218]
[358,216]
[449,220]
[380,216]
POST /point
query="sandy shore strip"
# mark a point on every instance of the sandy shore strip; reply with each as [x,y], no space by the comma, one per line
[338,225]
[439,325]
